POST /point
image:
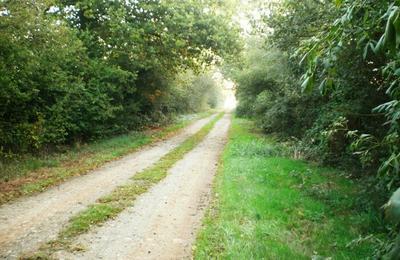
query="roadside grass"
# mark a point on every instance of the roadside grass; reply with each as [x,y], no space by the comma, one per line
[268,206]
[33,174]
[122,197]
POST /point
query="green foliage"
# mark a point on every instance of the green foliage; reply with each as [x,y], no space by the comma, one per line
[76,70]
[291,104]
[191,92]
[261,71]
[340,99]
[373,45]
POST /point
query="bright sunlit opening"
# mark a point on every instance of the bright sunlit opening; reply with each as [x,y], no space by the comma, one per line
[230,98]
[230,101]
[228,91]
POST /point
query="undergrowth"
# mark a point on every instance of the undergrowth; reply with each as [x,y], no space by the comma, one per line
[269,206]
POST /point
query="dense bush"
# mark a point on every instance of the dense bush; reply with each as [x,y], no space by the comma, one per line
[278,90]
[74,70]
[339,99]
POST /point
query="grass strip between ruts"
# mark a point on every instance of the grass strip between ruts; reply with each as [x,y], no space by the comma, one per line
[122,197]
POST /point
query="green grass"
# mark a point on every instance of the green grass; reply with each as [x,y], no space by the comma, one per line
[34,174]
[268,206]
[122,197]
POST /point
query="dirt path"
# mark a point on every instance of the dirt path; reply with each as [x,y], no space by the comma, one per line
[28,222]
[163,222]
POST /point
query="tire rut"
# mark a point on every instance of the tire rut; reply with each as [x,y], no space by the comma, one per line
[163,222]
[28,222]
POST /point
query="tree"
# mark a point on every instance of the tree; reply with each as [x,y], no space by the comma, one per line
[81,69]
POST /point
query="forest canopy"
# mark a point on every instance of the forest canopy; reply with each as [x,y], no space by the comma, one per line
[79,70]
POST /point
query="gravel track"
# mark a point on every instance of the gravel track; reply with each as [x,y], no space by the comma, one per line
[28,222]
[162,223]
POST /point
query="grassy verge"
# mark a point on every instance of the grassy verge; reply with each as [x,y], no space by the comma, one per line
[268,206]
[122,197]
[35,174]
